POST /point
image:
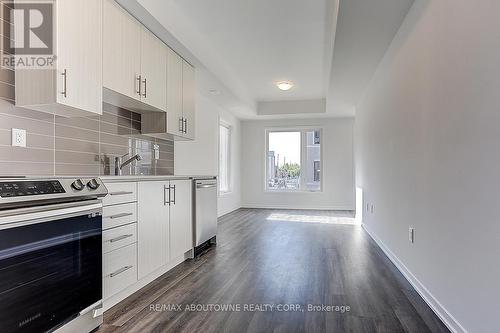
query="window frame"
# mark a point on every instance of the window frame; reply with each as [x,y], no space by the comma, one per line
[303,158]
[229,157]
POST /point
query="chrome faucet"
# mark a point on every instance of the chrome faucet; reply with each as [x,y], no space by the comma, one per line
[119,164]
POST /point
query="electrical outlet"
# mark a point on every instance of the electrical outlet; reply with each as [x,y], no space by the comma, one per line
[411,235]
[371,209]
[18,137]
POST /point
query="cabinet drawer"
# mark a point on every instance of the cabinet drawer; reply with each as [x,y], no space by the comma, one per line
[119,270]
[116,238]
[119,193]
[115,216]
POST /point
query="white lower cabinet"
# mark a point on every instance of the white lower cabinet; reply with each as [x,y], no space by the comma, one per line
[144,239]
[118,215]
[115,238]
[119,270]
[120,193]
[153,226]
[119,238]
[164,223]
[181,232]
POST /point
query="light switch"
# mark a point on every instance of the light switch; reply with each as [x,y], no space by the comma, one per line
[18,137]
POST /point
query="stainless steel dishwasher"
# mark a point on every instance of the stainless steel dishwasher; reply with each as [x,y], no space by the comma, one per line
[205,213]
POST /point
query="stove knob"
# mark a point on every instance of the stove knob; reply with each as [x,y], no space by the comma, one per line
[78,185]
[93,184]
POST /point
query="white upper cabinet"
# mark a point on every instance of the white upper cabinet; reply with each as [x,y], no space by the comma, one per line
[180,97]
[135,62]
[188,99]
[179,123]
[174,94]
[103,54]
[121,51]
[153,71]
[74,86]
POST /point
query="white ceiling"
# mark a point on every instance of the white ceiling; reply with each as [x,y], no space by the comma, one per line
[242,47]
[265,41]
[365,30]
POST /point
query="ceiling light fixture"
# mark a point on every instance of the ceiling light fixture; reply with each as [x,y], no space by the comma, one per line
[284,85]
[214,92]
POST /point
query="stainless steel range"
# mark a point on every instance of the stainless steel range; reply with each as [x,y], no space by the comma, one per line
[50,254]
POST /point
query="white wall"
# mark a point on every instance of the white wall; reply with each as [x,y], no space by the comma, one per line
[232,200]
[427,155]
[338,169]
[201,156]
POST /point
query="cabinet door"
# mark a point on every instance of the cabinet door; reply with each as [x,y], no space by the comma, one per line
[181,235]
[153,70]
[188,98]
[174,93]
[152,226]
[121,50]
[79,54]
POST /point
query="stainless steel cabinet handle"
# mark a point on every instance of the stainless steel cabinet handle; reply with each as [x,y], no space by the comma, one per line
[121,270]
[165,201]
[139,81]
[119,238]
[65,76]
[145,81]
[185,125]
[117,216]
[173,201]
[121,193]
[206,186]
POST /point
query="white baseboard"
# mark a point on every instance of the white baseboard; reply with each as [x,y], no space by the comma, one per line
[446,317]
[286,207]
[229,212]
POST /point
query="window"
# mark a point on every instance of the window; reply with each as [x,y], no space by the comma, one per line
[224,158]
[293,160]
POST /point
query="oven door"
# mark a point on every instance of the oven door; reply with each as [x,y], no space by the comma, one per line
[50,265]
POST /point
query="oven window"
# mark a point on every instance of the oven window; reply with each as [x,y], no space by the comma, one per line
[49,272]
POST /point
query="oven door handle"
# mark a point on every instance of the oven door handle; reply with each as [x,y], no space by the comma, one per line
[28,216]
[94,306]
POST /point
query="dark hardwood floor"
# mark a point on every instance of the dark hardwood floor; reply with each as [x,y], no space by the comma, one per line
[280,258]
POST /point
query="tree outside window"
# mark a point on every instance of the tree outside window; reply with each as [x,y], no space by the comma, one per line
[293,160]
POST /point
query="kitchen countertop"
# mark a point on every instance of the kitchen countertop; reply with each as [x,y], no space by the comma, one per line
[141,178]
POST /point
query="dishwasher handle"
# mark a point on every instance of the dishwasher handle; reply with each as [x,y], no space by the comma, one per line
[206,185]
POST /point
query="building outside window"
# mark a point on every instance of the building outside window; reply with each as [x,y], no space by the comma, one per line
[316,137]
[293,160]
